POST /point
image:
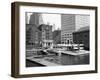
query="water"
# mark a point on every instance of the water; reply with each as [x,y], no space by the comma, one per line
[63,59]
[72,60]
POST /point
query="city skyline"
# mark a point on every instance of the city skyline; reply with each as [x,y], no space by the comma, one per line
[52,19]
[55,19]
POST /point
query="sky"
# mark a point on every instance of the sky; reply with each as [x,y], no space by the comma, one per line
[55,20]
[52,19]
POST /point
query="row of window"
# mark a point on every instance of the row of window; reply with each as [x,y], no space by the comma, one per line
[67,37]
[67,34]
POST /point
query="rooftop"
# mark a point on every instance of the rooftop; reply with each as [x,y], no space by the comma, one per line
[83,29]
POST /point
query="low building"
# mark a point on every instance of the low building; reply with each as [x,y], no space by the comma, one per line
[46,35]
[82,37]
[33,36]
[57,36]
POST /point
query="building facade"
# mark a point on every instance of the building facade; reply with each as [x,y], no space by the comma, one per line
[71,23]
[33,36]
[57,36]
[67,27]
[46,35]
[82,37]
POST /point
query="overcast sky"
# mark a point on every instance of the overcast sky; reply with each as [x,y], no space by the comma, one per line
[52,19]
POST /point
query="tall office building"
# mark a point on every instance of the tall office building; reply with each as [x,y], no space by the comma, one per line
[71,23]
[36,19]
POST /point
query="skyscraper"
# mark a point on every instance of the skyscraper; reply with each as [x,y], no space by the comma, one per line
[36,19]
[71,23]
